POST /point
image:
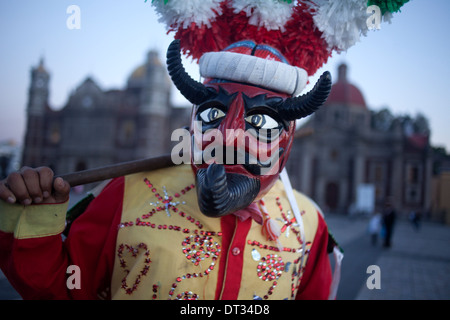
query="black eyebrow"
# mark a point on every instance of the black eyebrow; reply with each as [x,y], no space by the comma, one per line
[222,100]
[261,101]
[267,105]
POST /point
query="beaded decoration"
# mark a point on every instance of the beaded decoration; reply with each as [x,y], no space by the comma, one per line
[134,253]
[203,251]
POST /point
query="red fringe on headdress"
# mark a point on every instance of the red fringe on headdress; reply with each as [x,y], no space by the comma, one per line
[301,43]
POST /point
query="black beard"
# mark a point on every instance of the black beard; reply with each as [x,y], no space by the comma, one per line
[220,193]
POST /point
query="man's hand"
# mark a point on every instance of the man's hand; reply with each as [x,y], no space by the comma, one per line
[34,186]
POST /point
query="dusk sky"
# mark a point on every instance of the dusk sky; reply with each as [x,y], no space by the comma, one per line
[404,66]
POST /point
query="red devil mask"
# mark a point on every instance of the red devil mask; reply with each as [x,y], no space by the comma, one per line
[241,135]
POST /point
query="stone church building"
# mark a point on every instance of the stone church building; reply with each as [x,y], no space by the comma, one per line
[98,127]
[345,147]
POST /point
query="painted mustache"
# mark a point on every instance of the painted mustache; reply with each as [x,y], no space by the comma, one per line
[257,165]
[220,193]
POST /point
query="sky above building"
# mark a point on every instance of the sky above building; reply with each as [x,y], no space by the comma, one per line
[404,66]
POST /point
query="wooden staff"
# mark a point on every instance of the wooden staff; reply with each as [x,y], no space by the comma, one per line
[117,170]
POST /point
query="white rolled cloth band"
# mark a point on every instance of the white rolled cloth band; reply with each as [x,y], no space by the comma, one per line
[244,68]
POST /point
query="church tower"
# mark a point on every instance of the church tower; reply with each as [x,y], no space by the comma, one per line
[152,85]
[35,128]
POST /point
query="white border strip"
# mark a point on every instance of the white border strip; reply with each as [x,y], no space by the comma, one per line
[244,68]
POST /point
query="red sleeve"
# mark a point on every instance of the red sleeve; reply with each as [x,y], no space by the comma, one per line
[316,279]
[37,267]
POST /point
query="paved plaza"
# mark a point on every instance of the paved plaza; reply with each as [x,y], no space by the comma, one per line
[415,267]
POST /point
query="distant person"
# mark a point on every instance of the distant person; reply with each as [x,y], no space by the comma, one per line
[414,217]
[375,227]
[389,216]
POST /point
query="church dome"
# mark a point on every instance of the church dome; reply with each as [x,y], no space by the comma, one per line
[153,61]
[138,73]
[343,92]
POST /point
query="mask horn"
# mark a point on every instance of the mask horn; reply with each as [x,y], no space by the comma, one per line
[192,90]
[299,107]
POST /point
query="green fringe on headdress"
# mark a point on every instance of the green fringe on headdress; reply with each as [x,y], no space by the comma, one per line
[388,5]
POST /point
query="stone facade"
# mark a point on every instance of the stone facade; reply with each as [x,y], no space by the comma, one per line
[98,127]
[345,146]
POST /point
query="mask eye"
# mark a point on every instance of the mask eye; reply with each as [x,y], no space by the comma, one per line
[262,121]
[211,114]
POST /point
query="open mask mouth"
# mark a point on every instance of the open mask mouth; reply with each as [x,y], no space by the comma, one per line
[265,166]
[260,165]
[220,193]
